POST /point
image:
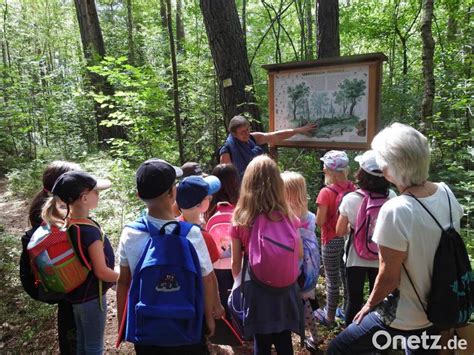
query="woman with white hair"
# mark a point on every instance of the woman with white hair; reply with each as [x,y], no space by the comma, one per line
[408,238]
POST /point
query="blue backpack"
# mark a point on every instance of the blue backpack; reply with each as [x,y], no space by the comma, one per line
[309,267]
[165,300]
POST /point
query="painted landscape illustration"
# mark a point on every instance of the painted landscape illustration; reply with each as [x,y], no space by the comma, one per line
[336,100]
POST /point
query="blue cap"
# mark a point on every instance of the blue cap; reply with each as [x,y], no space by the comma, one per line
[193,189]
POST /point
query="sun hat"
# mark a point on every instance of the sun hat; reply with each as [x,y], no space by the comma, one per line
[336,160]
[368,163]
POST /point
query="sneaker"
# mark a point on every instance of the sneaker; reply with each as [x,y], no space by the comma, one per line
[339,313]
[311,345]
[320,315]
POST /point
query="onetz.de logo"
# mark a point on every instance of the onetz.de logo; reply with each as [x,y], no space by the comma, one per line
[383,340]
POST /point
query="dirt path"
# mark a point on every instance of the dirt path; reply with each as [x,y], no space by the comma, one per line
[14,219]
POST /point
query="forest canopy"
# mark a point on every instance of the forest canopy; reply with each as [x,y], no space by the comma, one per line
[144,79]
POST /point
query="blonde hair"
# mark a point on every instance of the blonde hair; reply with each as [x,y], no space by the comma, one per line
[261,191]
[295,192]
[50,213]
[333,176]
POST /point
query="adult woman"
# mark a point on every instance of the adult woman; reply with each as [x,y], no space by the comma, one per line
[241,146]
[407,236]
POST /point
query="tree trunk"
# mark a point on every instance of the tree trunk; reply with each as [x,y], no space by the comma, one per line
[427,58]
[177,117]
[131,45]
[309,30]
[230,60]
[94,51]
[328,28]
[244,21]
[180,34]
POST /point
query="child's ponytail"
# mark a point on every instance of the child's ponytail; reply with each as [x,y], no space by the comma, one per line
[50,213]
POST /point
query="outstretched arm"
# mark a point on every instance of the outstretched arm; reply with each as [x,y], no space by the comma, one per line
[277,136]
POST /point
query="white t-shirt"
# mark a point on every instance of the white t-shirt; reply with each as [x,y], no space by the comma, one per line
[133,241]
[348,208]
[404,225]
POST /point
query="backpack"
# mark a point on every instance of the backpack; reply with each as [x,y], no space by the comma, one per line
[340,193]
[451,298]
[54,260]
[219,227]
[365,224]
[273,252]
[309,268]
[27,275]
[165,305]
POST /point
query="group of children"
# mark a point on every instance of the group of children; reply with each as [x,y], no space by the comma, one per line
[271,314]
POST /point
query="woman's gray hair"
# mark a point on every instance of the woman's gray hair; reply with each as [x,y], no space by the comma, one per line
[404,152]
[237,122]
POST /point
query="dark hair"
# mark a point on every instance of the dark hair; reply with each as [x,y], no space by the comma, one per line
[50,175]
[371,183]
[230,185]
[237,122]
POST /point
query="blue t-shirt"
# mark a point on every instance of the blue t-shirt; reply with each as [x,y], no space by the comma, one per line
[89,290]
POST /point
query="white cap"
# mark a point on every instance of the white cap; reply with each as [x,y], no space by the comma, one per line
[368,163]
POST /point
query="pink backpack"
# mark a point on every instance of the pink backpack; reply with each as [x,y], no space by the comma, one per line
[273,252]
[219,226]
[341,192]
[365,224]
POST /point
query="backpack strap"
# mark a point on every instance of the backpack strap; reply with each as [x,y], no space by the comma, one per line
[439,225]
[414,288]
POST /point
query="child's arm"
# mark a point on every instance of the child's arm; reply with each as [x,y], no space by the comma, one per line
[218,310]
[342,226]
[100,268]
[300,249]
[123,284]
[321,215]
[236,257]
[209,295]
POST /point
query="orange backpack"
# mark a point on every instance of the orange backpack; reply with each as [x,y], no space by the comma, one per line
[56,264]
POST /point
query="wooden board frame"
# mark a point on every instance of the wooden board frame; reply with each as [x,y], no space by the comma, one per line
[374,63]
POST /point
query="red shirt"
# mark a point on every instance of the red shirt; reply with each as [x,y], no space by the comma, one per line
[210,244]
[327,198]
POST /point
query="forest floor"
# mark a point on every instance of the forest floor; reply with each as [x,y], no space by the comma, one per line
[28,326]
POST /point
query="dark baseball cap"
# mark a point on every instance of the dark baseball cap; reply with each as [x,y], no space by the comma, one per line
[154,177]
[191,168]
[70,185]
[193,189]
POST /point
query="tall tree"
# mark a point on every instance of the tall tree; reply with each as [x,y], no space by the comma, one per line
[174,67]
[131,44]
[180,34]
[427,58]
[226,41]
[94,51]
[328,28]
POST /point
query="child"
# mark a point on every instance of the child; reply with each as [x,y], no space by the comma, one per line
[335,177]
[223,203]
[269,316]
[66,323]
[230,186]
[156,188]
[369,177]
[189,168]
[297,197]
[193,196]
[80,192]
